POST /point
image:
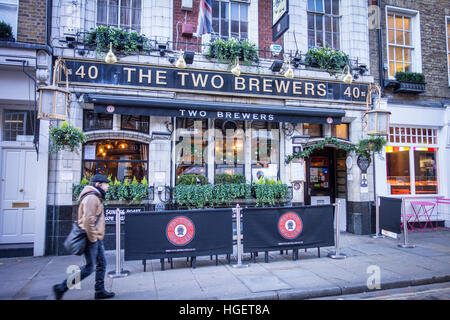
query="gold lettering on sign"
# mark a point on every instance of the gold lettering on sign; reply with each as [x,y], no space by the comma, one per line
[161,77]
[309,87]
[202,78]
[267,85]
[129,70]
[297,87]
[239,83]
[148,76]
[213,81]
[282,85]
[321,90]
[253,82]
[183,76]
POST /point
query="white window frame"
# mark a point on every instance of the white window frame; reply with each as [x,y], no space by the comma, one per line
[447,37]
[118,16]
[323,14]
[14,25]
[416,47]
[411,146]
[240,3]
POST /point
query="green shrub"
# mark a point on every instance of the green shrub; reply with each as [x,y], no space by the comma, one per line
[227,51]
[229,178]
[191,179]
[67,137]
[5,30]
[410,77]
[327,58]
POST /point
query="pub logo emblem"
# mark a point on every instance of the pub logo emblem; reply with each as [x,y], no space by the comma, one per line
[180,231]
[110,109]
[290,225]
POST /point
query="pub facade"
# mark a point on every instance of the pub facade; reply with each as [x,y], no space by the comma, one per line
[145,116]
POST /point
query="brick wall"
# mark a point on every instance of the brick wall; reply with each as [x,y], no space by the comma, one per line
[32,24]
[265,28]
[434,59]
[183,16]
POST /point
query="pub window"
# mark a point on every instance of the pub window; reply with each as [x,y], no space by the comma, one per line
[190,146]
[323,23]
[340,131]
[135,123]
[123,14]
[9,14]
[312,130]
[265,150]
[229,147]
[17,124]
[229,19]
[122,159]
[96,121]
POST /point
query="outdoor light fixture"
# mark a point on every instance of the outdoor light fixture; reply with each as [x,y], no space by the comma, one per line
[162,47]
[189,57]
[289,73]
[276,65]
[348,78]
[377,119]
[181,63]
[236,70]
[53,100]
[110,56]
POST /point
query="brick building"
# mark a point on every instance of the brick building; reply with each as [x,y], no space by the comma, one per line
[25,64]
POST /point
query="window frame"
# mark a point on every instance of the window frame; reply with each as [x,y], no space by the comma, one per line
[15,27]
[415,47]
[218,34]
[324,14]
[411,150]
[129,27]
[447,36]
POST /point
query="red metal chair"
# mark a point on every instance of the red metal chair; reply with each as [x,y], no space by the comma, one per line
[425,209]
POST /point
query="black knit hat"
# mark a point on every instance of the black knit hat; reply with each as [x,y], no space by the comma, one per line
[99,178]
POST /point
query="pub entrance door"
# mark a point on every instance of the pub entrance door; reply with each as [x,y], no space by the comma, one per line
[321,177]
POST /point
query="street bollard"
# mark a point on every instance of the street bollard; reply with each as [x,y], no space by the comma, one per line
[239,263]
[405,229]
[336,254]
[118,273]
[377,234]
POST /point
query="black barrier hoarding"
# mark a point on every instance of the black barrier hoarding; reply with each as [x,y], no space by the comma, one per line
[270,229]
[170,234]
[389,214]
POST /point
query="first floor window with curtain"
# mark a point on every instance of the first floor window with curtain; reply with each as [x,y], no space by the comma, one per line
[229,20]
[124,14]
[412,168]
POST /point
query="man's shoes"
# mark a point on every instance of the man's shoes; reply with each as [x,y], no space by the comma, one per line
[99,295]
[57,292]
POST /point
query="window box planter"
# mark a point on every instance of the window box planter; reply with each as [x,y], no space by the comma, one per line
[409,87]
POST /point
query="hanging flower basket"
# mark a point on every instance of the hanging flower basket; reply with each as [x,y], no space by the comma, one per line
[66,137]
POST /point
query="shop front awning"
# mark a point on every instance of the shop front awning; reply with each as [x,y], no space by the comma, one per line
[209,109]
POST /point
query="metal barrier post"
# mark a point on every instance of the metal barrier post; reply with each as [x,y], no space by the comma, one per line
[239,263]
[405,229]
[336,254]
[377,234]
[118,273]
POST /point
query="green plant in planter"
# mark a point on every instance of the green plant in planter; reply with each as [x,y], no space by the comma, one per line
[67,137]
[5,30]
[191,179]
[229,178]
[113,190]
[122,41]
[326,58]
[76,189]
[227,51]
[410,77]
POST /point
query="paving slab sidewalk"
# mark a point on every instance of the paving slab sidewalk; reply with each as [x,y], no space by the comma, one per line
[31,278]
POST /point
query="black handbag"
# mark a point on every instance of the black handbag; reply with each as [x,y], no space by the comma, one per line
[76,241]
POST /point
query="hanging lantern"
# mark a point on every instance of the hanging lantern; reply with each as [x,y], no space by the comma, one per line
[377,118]
[53,100]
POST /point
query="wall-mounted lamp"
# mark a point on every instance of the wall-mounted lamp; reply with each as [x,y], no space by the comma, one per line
[236,70]
[181,63]
[162,47]
[347,78]
[110,56]
[289,73]
[276,65]
[377,118]
[189,57]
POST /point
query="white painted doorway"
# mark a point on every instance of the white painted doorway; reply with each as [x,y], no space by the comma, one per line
[19,174]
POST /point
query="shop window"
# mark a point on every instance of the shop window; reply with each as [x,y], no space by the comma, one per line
[18,125]
[412,135]
[312,130]
[229,20]
[323,23]
[265,150]
[9,14]
[96,121]
[135,123]
[403,47]
[190,146]
[122,159]
[340,131]
[229,147]
[123,14]
[421,180]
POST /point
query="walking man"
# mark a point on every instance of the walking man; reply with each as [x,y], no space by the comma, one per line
[91,218]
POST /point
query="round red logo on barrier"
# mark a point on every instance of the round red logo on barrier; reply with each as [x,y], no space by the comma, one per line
[110,108]
[180,231]
[290,225]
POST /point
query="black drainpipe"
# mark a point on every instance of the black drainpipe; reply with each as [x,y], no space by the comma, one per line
[49,21]
[380,52]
